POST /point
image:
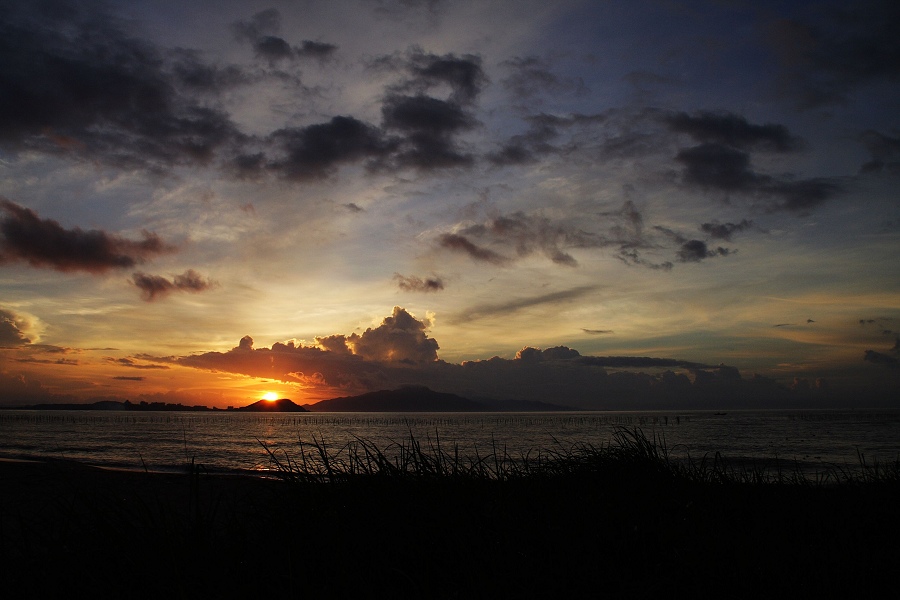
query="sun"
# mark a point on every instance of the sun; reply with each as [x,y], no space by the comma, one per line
[270,396]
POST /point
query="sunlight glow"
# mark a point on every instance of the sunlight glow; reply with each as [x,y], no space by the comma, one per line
[270,396]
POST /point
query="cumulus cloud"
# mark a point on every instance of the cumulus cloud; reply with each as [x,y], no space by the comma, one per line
[155,287]
[399,352]
[400,337]
[44,243]
[414,283]
[12,329]
[380,356]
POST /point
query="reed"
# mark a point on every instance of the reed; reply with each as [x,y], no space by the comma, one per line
[629,453]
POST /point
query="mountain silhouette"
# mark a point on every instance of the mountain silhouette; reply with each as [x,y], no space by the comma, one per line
[280,405]
[411,398]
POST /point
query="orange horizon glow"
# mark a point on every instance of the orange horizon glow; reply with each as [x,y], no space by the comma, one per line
[270,396]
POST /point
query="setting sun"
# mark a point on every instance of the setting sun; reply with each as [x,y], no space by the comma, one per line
[270,396]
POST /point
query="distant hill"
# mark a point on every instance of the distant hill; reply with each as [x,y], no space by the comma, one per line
[280,405]
[404,399]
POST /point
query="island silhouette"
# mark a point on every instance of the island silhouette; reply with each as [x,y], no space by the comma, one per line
[280,405]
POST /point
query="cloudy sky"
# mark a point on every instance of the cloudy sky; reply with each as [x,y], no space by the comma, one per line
[572,201]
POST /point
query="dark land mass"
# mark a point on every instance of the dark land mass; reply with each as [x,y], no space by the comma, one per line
[631,527]
[404,399]
[280,405]
[415,398]
[115,405]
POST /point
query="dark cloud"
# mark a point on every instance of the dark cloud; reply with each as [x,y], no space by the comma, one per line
[80,85]
[732,130]
[44,243]
[632,256]
[315,151]
[42,361]
[413,283]
[697,250]
[129,378]
[261,31]
[463,74]
[639,362]
[530,76]
[724,231]
[800,196]
[428,126]
[272,48]
[837,50]
[11,333]
[473,313]
[189,71]
[884,150]
[155,287]
[543,128]
[524,235]
[460,243]
[130,363]
[248,166]
[318,50]
[425,114]
[715,166]
[265,22]
[597,331]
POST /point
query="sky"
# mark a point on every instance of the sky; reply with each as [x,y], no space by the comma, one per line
[595,204]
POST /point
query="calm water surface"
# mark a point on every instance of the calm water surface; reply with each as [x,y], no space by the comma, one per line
[221,441]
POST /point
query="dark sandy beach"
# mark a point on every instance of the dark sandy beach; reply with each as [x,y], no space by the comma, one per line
[78,530]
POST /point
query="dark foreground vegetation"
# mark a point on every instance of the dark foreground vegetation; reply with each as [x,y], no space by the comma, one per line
[416,520]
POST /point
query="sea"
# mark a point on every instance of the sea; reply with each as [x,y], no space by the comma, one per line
[806,441]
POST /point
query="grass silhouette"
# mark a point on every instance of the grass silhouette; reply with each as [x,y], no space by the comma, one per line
[413,519]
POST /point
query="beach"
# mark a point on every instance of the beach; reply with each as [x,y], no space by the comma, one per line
[628,527]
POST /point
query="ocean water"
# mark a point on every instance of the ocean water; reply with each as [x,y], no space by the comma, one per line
[810,440]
